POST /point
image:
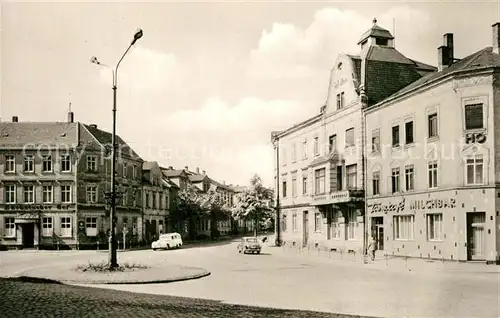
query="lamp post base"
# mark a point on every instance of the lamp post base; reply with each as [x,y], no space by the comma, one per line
[112,255]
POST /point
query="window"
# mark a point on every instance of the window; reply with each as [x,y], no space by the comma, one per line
[47,194]
[29,194]
[351,224]
[339,178]
[134,225]
[339,102]
[304,149]
[395,136]
[351,172]
[376,183]
[335,226]
[10,163]
[91,163]
[91,226]
[304,185]
[434,227]
[294,186]
[395,180]
[382,42]
[319,180]
[46,163]
[294,222]
[125,170]
[409,132]
[294,152]
[66,194]
[317,222]
[29,163]
[349,137]
[432,124]
[474,116]
[65,163]
[10,193]
[154,197]
[409,178]
[316,146]
[47,226]
[375,140]
[433,174]
[91,194]
[134,171]
[342,99]
[10,227]
[403,227]
[475,168]
[284,189]
[148,202]
[332,143]
[283,222]
[66,227]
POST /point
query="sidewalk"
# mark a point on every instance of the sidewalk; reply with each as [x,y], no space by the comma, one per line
[383,262]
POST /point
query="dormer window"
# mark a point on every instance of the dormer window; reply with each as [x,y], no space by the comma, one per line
[339,66]
[382,42]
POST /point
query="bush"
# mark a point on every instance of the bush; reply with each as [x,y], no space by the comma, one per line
[104,267]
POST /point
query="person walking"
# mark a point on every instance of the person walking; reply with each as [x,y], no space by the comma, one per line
[372,247]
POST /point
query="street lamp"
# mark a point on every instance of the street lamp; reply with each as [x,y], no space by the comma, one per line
[276,145]
[113,196]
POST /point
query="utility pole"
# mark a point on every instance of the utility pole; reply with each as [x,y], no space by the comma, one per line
[278,219]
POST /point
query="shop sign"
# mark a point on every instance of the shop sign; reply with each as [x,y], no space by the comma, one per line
[433,204]
[36,207]
[428,204]
[472,138]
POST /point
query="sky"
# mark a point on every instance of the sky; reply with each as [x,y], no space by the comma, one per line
[209,80]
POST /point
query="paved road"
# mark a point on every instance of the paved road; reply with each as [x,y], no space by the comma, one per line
[274,279]
[21,299]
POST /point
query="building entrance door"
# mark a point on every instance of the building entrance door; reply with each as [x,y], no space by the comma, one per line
[475,236]
[28,234]
[305,228]
[378,231]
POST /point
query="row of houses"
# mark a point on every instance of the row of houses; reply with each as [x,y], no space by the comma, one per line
[402,152]
[55,185]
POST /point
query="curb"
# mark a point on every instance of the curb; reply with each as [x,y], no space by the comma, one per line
[31,279]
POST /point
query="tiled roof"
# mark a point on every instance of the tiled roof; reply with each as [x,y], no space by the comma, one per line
[480,59]
[105,138]
[356,61]
[386,54]
[173,173]
[376,31]
[50,134]
[148,165]
[197,177]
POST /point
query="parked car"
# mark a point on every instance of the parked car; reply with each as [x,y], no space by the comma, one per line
[167,241]
[249,245]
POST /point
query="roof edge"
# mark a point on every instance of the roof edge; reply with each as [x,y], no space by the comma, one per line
[295,127]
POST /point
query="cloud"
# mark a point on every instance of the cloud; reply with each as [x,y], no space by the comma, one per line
[146,70]
[290,51]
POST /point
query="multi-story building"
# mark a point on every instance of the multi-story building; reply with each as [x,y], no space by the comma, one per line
[321,163]
[156,201]
[432,165]
[54,177]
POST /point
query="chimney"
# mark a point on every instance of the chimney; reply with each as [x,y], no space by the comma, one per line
[186,168]
[197,170]
[204,173]
[71,117]
[496,38]
[15,119]
[224,182]
[445,52]
[170,168]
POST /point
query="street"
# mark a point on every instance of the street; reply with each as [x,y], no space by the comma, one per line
[281,280]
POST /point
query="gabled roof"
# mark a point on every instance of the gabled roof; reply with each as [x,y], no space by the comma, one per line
[377,32]
[481,59]
[34,134]
[173,173]
[197,177]
[105,139]
[148,165]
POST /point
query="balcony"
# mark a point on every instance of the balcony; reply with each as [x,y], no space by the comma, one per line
[336,197]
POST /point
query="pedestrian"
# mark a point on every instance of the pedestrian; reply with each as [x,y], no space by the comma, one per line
[372,247]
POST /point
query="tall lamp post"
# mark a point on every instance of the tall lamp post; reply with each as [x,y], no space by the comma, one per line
[113,196]
[278,220]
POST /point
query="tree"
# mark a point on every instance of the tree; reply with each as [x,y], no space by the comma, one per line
[191,204]
[217,211]
[253,204]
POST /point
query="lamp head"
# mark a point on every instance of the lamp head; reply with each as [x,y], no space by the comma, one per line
[137,36]
[94,60]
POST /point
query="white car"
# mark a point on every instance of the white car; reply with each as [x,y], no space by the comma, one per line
[167,241]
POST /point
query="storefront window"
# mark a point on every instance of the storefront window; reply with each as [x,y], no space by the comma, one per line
[434,227]
[403,227]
